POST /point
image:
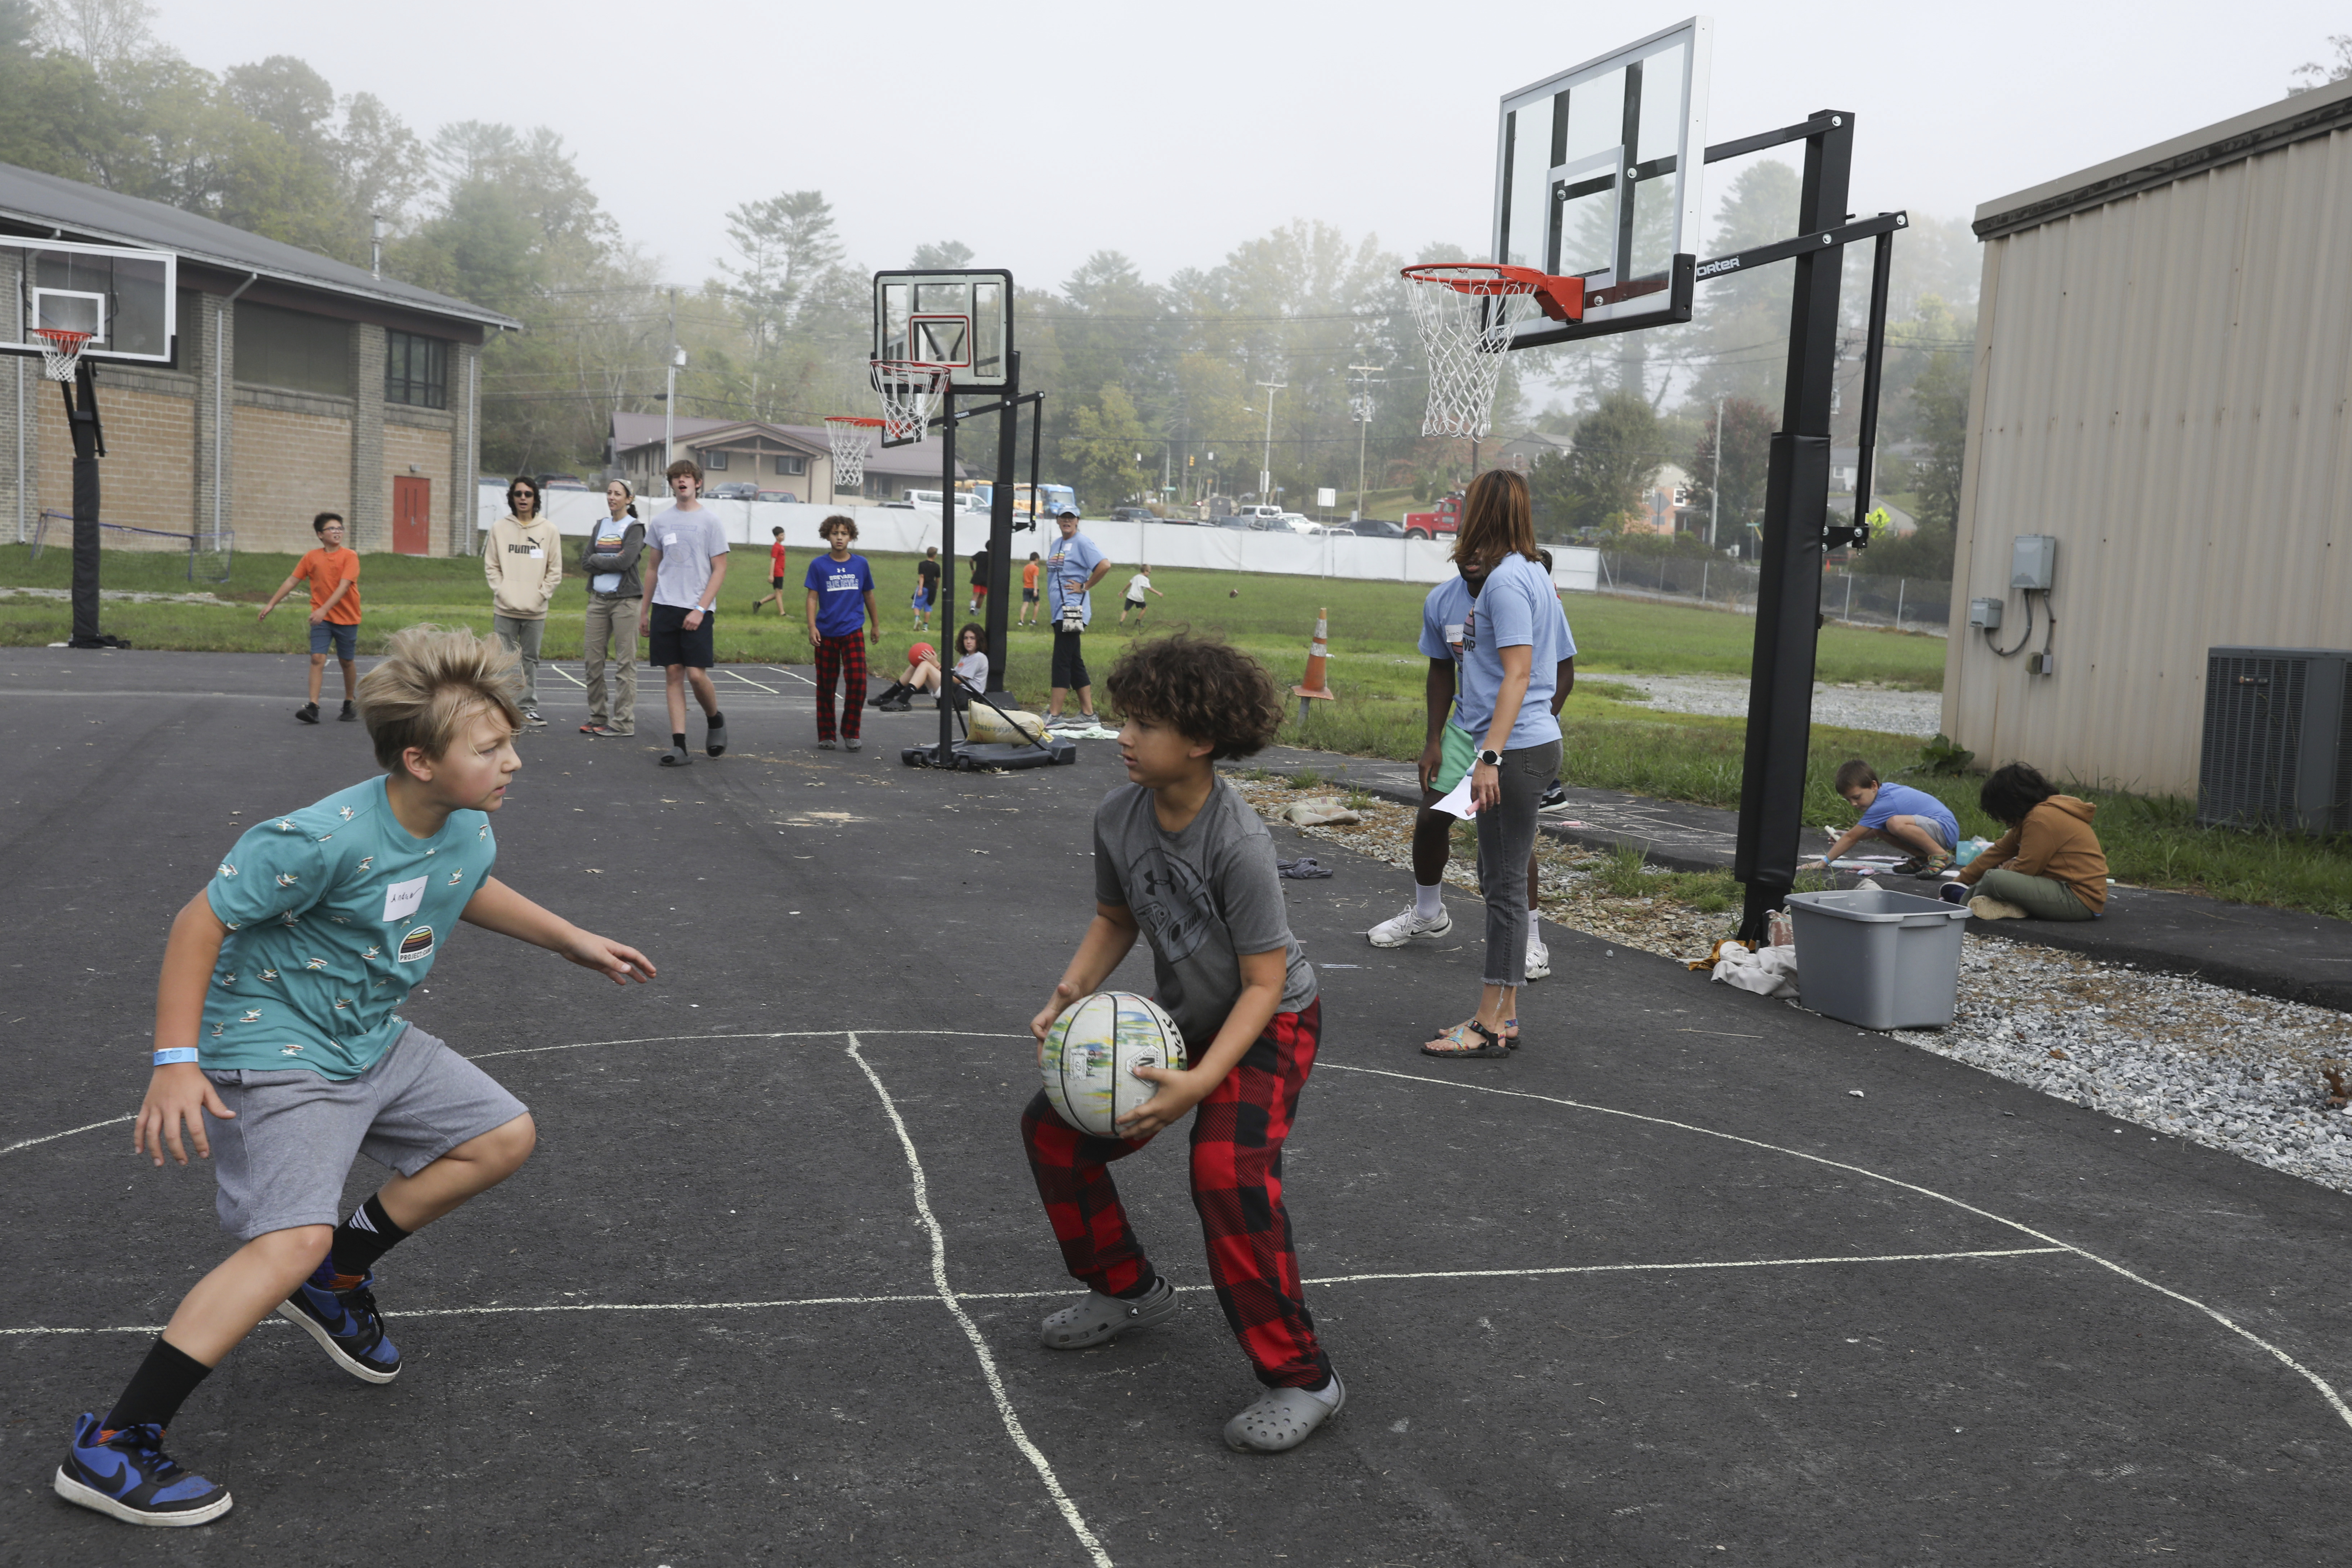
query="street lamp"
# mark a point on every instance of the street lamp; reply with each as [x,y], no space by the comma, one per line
[670,406]
[1265,473]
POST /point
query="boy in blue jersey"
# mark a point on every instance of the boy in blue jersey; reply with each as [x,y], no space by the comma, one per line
[1911,819]
[276,1041]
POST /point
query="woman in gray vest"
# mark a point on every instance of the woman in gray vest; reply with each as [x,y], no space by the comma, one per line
[615,594]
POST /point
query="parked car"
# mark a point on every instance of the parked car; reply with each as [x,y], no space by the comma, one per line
[1297,522]
[561,482]
[1267,513]
[1132,514]
[929,501]
[1373,528]
[776,495]
[740,489]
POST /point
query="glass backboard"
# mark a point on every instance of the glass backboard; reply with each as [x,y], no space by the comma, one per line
[127,299]
[961,319]
[1597,174]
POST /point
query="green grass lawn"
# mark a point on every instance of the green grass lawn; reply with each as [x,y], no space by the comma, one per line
[1376,669]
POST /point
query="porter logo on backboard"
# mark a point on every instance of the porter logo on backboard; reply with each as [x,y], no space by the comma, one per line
[416,944]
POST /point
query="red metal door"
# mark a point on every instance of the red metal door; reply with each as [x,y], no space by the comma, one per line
[411,516]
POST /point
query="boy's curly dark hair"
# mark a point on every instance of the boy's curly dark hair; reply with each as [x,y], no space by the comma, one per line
[1207,691]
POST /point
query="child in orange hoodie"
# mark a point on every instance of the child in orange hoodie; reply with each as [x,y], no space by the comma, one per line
[2049,865]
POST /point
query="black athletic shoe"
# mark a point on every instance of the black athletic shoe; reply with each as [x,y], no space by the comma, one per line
[347,1325]
[307,713]
[1555,798]
[351,712]
[126,1474]
[887,696]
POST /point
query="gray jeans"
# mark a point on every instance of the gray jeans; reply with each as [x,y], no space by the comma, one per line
[523,637]
[1507,834]
[613,620]
[2043,898]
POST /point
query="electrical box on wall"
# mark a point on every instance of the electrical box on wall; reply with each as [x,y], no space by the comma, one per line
[1985,613]
[2033,562]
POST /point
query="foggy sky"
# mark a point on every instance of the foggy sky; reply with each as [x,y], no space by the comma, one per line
[1040,133]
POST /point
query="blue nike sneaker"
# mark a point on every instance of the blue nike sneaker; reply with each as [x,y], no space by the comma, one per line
[346,1324]
[128,1475]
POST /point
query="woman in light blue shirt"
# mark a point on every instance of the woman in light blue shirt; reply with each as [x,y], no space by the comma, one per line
[1511,647]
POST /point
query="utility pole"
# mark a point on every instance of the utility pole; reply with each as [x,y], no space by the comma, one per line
[376,245]
[1265,474]
[1363,429]
[669,391]
[1715,486]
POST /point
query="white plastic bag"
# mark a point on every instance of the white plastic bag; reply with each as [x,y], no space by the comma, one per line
[1771,972]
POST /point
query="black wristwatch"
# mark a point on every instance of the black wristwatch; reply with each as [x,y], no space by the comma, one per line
[1491,758]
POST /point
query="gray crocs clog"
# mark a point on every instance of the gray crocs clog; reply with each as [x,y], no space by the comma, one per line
[1100,1319]
[1282,1419]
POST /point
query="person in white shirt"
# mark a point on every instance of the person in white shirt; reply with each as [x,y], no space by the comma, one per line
[1137,587]
[922,673]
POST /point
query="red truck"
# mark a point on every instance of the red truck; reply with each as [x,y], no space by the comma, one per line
[1441,523]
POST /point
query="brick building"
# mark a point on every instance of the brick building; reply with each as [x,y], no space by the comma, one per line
[792,460]
[301,385]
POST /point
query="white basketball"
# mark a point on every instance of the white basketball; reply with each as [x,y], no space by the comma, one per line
[1092,1052]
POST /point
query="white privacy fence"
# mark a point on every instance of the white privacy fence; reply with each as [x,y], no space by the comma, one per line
[1156,544]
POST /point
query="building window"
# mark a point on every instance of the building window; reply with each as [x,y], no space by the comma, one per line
[416,371]
[290,348]
[715,462]
[791,466]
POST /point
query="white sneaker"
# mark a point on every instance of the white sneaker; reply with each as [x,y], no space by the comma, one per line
[1539,959]
[1396,932]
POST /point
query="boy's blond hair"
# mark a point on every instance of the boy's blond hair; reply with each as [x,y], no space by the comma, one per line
[432,679]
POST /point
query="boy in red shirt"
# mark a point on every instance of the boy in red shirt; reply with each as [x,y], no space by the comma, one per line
[775,574]
[334,577]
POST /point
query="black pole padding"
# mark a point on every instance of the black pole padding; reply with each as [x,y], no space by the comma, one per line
[1788,585]
[947,502]
[89,446]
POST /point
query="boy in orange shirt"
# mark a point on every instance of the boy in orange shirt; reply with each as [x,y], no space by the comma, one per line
[334,575]
[1029,591]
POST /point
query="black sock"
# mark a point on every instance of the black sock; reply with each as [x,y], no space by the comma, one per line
[677,739]
[367,1236]
[715,720]
[158,1389]
[1141,1288]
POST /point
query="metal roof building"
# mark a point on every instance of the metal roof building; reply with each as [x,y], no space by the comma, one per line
[2162,382]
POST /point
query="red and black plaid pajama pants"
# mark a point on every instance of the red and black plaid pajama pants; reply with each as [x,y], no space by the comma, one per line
[1237,1137]
[842,659]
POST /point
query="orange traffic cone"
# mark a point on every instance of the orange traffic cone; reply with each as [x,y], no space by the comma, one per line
[1318,654]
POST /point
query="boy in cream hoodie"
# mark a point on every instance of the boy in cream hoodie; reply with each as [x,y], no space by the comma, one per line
[523,559]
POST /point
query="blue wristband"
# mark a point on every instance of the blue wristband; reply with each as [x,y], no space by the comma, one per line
[176,1053]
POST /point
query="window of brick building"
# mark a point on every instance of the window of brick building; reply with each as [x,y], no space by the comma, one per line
[795,466]
[715,461]
[416,371]
[290,348]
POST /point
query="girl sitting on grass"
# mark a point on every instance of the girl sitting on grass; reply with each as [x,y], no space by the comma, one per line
[2049,865]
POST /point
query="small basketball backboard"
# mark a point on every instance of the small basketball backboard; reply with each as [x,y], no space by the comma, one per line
[1597,174]
[127,299]
[962,319]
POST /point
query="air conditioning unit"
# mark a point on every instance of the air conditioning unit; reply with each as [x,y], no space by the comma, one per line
[2278,739]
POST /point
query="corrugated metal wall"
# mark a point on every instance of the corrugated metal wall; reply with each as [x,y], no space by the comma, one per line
[2161,382]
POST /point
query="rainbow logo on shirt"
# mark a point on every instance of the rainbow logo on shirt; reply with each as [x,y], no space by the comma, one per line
[416,944]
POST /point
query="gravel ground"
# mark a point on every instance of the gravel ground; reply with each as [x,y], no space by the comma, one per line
[2227,1069]
[124,594]
[1850,707]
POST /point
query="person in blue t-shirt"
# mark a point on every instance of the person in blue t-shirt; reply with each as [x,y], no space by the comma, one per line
[1074,566]
[1513,638]
[840,601]
[278,1052]
[1911,819]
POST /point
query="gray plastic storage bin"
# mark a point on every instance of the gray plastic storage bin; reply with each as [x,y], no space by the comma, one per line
[1881,960]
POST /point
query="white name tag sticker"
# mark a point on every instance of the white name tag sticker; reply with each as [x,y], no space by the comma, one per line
[401,899]
[537,553]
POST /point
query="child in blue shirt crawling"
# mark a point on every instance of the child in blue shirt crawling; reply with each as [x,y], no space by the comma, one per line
[1911,819]
[279,1056]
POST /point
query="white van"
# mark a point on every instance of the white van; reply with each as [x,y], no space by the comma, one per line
[929,501]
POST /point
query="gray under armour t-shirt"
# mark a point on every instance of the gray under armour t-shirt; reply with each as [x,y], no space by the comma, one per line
[1202,897]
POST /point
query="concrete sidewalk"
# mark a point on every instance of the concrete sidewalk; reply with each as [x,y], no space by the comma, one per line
[2286,953]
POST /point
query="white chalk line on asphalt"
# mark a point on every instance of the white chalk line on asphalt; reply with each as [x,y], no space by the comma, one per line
[53,1137]
[2326,1391]
[947,1296]
[932,1296]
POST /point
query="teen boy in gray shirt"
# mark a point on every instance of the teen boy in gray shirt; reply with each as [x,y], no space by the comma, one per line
[687,549]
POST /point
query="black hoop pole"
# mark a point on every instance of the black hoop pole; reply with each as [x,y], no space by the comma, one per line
[947,568]
[89,445]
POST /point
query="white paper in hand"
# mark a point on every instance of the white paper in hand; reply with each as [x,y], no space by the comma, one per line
[1457,801]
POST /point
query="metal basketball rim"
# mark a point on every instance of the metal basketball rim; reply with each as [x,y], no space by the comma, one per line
[61,350]
[1467,312]
[847,432]
[910,391]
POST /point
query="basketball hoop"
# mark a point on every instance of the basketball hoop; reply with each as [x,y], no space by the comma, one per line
[848,435]
[61,350]
[1467,312]
[909,390]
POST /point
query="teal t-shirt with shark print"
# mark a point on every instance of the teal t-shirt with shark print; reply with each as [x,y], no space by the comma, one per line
[333,912]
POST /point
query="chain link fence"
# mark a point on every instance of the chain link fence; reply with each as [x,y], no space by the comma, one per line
[1907,604]
[210,554]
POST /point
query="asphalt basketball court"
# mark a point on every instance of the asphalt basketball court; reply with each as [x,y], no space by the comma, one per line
[1660,1289]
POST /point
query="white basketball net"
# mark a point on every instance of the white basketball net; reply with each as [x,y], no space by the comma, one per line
[910,390]
[850,436]
[60,351]
[1467,315]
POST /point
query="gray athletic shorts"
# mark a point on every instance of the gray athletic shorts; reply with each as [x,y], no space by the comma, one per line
[282,1162]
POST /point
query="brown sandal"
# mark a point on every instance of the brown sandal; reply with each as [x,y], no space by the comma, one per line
[1490,1044]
